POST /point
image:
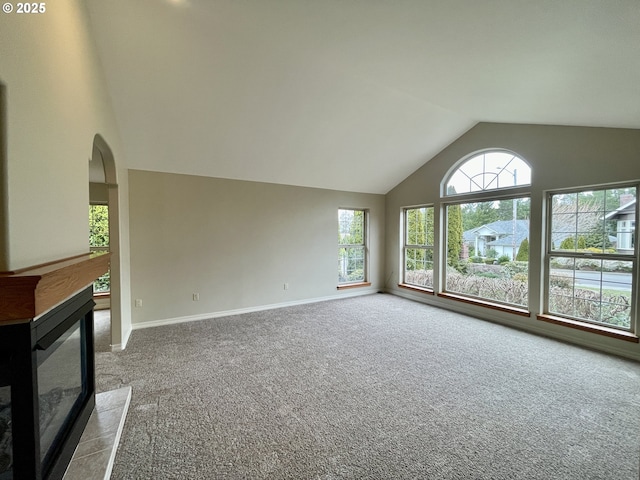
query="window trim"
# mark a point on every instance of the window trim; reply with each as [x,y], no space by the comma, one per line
[462,199]
[405,245]
[492,304]
[589,327]
[365,245]
[447,200]
[463,161]
[346,286]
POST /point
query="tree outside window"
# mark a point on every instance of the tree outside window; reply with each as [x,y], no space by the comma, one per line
[99,241]
[418,247]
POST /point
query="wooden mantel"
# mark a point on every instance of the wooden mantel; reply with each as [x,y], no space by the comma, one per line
[30,292]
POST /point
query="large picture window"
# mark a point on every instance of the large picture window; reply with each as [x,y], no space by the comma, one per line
[418,247]
[591,260]
[352,252]
[487,233]
[488,250]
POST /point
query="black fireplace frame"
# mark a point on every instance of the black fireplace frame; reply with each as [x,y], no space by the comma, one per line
[19,344]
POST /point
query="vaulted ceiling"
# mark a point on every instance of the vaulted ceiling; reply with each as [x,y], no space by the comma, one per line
[354,94]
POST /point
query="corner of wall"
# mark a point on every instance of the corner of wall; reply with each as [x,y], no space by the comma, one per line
[4,240]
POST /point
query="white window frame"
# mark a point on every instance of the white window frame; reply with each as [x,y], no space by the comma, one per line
[363,246]
[426,247]
[491,187]
[499,172]
[551,252]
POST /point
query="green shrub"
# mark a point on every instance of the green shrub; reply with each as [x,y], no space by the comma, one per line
[102,284]
[459,266]
[523,251]
[502,259]
[491,253]
[568,244]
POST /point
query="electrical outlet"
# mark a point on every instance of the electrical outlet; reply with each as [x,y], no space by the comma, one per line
[196,297]
[138,302]
[286,286]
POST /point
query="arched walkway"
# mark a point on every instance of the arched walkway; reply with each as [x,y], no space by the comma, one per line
[102,153]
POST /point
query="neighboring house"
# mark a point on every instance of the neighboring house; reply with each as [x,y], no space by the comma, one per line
[498,236]
[625,217]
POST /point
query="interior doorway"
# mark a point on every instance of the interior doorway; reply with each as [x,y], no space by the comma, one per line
[103,215]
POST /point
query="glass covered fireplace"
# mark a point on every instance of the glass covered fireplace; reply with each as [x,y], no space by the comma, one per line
[47,389]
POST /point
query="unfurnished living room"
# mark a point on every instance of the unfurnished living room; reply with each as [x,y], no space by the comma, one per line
[337,239]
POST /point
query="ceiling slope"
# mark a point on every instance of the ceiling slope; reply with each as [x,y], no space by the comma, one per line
[352,94]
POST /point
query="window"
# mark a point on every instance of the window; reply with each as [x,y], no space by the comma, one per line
[591,264]
[488,250]
[99,240]
[487,236]
[352,255]
[418,247]
[491,170]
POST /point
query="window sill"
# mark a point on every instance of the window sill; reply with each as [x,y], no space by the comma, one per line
[354,285]
[484,303]
[589,327]
[416,288]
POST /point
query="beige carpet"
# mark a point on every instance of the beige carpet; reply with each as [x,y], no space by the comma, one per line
[374,387]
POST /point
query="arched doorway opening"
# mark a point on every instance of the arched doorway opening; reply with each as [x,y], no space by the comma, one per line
[103,189]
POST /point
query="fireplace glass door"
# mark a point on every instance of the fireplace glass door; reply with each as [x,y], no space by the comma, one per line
[61,387]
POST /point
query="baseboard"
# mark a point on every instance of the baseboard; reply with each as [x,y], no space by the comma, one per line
[239,311]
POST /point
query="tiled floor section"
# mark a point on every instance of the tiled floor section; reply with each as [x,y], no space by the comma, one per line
[93,459]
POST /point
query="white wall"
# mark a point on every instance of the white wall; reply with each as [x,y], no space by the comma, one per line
[55,105]
[560,157]
[56,102]
[237,243]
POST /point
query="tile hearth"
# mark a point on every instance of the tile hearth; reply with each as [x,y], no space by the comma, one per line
[96,451]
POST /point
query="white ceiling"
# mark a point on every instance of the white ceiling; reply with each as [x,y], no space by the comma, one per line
[354,94]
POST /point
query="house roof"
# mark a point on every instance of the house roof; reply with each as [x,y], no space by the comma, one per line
[349,94]
[503,229]
[626,209]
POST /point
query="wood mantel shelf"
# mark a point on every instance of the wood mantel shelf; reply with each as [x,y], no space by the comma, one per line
[28,293]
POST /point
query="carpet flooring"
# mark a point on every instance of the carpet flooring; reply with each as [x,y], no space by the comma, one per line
[102,331]
[372,387]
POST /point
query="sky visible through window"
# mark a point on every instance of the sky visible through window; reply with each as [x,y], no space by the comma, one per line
[489,171]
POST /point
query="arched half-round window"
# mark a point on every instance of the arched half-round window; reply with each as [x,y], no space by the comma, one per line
[489,170]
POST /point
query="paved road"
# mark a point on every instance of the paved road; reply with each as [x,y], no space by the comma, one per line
[585,278]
